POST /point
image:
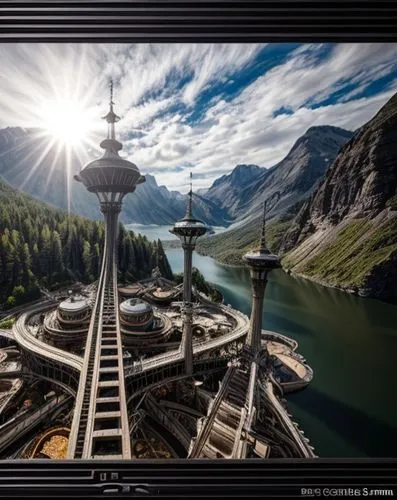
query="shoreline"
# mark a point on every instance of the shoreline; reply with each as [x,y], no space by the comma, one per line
[360,292]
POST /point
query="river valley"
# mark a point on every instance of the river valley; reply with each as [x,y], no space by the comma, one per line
[350,408]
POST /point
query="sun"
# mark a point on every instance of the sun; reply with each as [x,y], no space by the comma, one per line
[67,121]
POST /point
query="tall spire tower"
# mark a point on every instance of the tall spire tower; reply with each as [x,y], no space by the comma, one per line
[260,262]
[111,178]
[188,231]
[100,422]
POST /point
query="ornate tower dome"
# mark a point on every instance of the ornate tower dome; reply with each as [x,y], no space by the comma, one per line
[74,310]
[136,313]
[110,176]
[188,231]
[260,262]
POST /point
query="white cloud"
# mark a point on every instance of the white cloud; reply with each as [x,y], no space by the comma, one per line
[245,131]
[157,87]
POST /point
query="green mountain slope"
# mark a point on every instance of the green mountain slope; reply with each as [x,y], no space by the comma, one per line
[229,247]
[345,235]
[43,246]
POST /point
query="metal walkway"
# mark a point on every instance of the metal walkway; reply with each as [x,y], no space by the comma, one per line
[100,424]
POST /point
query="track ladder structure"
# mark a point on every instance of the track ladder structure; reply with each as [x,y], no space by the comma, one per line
[100,425]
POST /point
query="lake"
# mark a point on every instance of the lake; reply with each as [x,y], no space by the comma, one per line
[153,231]
[350,408]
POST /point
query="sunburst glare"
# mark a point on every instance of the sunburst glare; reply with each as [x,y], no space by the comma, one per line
[67,121]
[58,104]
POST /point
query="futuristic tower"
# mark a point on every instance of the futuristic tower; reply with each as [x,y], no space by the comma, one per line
[188,230]
[111,178]
[100,423]
[260,262]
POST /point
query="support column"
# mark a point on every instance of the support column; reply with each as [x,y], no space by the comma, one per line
[111,213]
[259,281]
[187,277]
[188,230]
[187,337]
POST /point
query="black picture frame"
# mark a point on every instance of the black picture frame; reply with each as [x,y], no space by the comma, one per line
[234,21]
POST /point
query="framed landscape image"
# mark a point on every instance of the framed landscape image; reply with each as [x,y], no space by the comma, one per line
[198,249]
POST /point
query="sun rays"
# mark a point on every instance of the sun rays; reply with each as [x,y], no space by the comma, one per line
[66,121]
[59,107]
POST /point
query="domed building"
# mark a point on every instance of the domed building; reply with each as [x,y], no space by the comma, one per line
[136,314]
[140,326]
[68,324]
[74,311]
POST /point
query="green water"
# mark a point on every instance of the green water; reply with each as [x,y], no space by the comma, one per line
[350,408]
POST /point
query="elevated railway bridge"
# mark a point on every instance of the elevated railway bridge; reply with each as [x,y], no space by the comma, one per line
[104,345]
[106,390]
[100,424]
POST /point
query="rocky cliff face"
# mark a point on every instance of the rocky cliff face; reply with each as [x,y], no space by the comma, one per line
[346,233]
[243,191]
[297,174]
[226,190]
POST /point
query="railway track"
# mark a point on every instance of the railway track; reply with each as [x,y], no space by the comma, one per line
[100,423]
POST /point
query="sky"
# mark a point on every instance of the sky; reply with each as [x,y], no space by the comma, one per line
[203,108]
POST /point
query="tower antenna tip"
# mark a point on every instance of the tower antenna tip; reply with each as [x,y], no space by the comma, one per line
[111,90]
[273,198]
[189,213]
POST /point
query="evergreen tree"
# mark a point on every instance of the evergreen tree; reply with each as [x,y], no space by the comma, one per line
[87,260]
[163,263]
[43,246]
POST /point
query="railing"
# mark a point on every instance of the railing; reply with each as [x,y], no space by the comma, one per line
[161,359]
[29,342]
[207,427]
[14,429]
[278,337]
[276,384]
[292,430]
[80,421]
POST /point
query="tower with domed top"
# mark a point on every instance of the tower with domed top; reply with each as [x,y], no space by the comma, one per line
[110,177]
[260,262]
[188,231]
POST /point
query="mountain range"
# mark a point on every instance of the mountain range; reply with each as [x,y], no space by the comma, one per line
[29,164]
[243,191]
[344,234]
[294,178]
[334,221]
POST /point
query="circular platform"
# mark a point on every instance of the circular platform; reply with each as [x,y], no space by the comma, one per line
[136,314]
